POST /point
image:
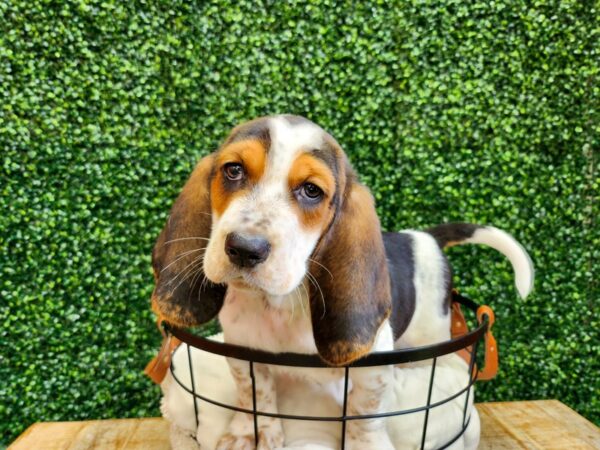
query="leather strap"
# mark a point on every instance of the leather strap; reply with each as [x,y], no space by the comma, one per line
[490,368]
[159,365]
[459,328]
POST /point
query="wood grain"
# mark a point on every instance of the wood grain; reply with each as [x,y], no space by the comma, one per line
[117,434]
[544,424]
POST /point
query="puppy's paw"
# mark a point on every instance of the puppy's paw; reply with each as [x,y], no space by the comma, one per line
[231,442]
[371,440]
[270,438]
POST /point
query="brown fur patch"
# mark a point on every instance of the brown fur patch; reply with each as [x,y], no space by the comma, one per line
[309,169]
[180,296]
[356,285]
[344,352]
[251,154]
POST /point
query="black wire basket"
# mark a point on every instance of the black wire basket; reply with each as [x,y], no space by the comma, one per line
[468,343]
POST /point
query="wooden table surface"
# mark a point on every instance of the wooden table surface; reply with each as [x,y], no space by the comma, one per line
[544,424]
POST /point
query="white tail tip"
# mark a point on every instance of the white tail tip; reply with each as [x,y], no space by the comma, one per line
[513,250]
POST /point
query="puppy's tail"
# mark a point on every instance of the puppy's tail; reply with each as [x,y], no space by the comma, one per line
[450,234]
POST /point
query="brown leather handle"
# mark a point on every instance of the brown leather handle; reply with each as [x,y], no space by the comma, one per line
[490,368]
[159,365]
[459,328]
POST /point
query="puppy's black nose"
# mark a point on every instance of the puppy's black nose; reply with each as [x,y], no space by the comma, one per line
[246,251]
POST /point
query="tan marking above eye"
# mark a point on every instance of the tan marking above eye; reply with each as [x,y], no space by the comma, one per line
[251,154]
[308,169]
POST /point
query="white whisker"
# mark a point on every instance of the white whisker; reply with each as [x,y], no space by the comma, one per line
[295,291]
[181,281]
[192,264]
[198,271]
[313,280]
[307,298]
[317,262]
[186,239]
[204,282]
[180,256]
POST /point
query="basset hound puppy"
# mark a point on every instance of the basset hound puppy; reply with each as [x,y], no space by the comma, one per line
[275,234]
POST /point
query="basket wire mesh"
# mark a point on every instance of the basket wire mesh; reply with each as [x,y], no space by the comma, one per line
[469,342]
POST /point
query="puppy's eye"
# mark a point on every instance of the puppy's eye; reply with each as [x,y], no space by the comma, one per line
[234,171]
[311,190]
[310,193]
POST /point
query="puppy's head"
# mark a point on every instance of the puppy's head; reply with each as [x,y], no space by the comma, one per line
[277,203]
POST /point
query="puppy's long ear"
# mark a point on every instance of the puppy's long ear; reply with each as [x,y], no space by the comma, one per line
[182,294]
[351,271]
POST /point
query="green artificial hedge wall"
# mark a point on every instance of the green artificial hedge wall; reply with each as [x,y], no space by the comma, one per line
[483,111]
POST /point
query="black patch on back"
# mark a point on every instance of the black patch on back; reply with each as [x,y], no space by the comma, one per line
[452,232]
[401,267]
[447,283]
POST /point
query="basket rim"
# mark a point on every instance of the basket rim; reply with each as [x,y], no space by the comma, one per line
[399,356]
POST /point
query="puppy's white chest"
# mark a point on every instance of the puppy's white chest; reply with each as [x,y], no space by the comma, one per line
[249,320]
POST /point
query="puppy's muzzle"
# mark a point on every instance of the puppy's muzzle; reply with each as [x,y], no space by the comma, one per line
[246,251]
